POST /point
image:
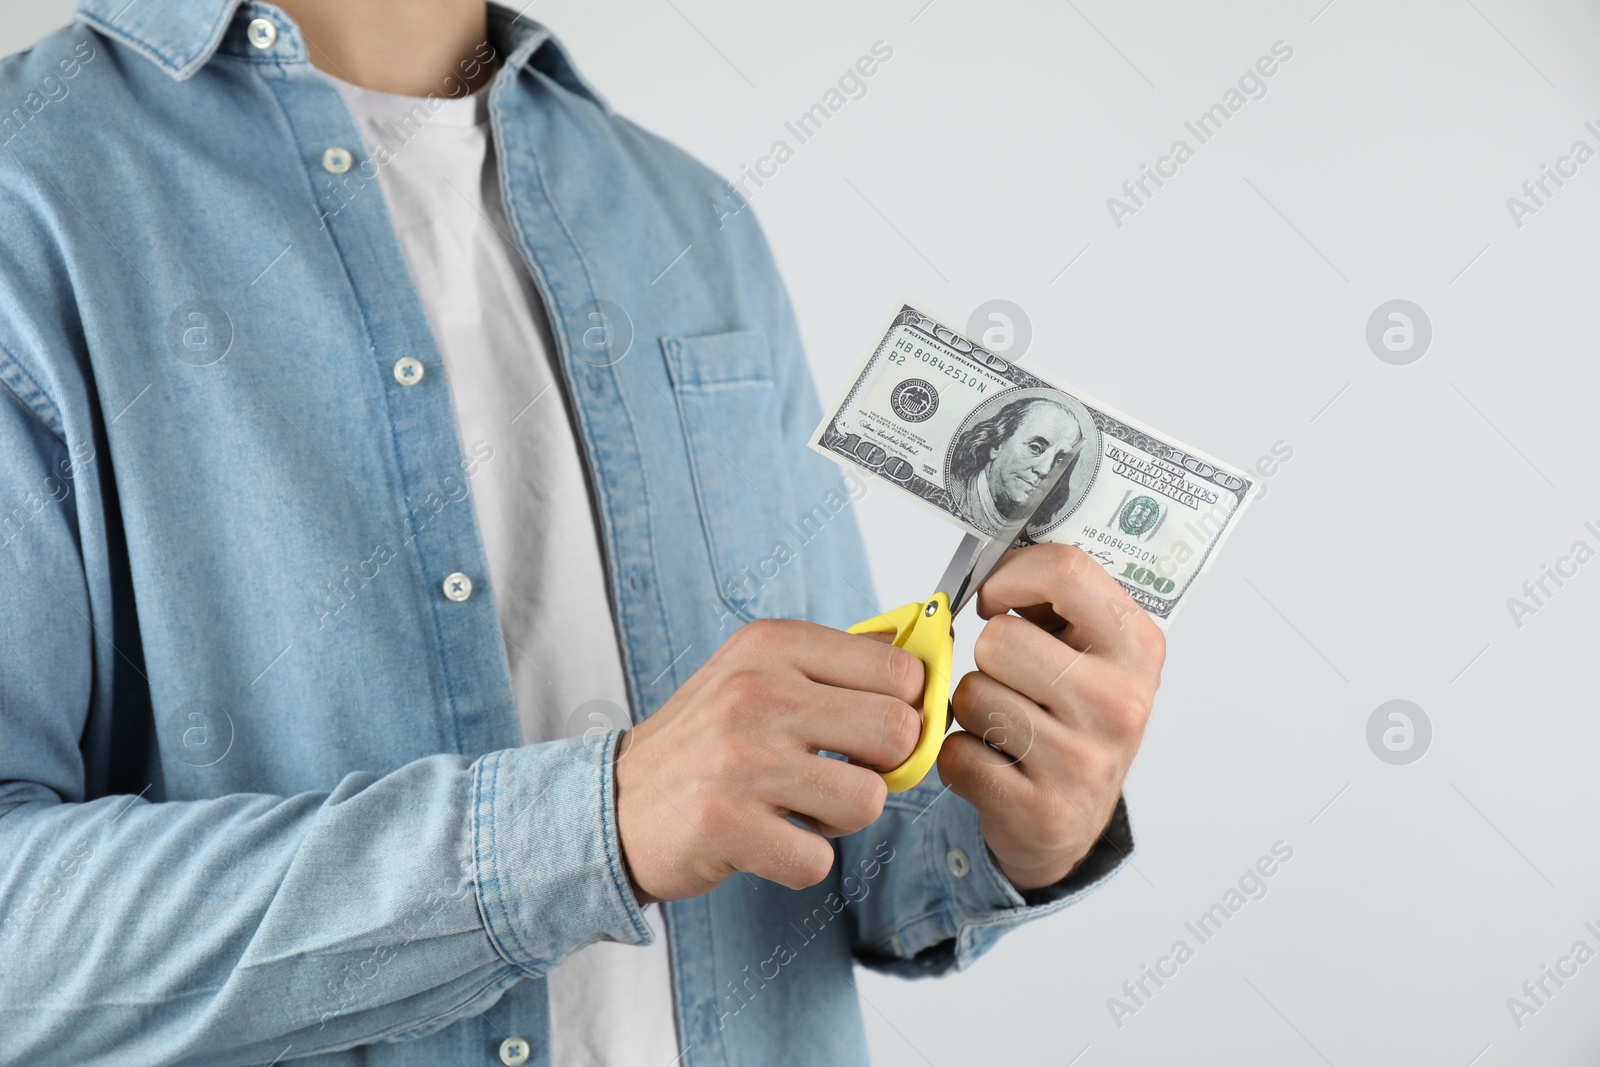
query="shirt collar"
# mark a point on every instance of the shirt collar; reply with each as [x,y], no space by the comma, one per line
[181,36]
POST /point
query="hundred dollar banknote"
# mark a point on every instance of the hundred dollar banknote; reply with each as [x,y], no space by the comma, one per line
[969,434]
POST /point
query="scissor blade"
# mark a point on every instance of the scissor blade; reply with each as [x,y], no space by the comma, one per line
[975,557]
[958,575]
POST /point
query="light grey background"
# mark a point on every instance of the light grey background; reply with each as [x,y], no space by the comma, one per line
[1231,311]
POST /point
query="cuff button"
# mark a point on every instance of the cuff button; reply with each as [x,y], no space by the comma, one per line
[958,863]
[263,33]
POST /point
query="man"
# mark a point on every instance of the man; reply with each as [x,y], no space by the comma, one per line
[371,396]
[998,462]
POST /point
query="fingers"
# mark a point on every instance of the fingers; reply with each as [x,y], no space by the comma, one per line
[781,712]
[784,853]
[1084,754]
[989,760]
[1043,827]
[1042,668]
[1014,730]
[879,731]
[834,796]
[833,657]
[1076,588]
[829,795]
[970,769]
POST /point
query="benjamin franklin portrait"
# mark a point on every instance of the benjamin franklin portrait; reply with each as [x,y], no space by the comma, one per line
[1009,447]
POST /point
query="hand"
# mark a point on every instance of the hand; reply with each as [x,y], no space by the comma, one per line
[1062,692]
[705,785]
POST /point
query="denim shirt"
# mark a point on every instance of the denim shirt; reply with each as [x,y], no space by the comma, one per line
[262,795]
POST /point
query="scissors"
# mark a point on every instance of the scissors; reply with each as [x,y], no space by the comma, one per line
[923,628]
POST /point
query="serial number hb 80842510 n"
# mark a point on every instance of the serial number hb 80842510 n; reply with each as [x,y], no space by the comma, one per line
[905,347]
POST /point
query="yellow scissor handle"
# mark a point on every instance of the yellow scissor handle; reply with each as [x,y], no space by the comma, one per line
[922,628]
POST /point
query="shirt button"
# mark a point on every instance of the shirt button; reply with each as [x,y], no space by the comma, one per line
[458,587]
[513,1052]
[409,371]
[958,863]
[336,160]
[263,33]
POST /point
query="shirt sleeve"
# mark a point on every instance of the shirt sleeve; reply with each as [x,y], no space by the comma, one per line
[238,929]
[935,900]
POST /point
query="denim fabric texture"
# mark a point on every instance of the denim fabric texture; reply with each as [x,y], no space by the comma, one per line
[262,796]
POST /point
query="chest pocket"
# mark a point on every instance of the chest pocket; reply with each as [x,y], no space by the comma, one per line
[727,402]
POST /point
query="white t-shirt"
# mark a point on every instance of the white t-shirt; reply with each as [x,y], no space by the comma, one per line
[609,1003]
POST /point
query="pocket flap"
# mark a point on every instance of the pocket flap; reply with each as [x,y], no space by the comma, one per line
[717,360]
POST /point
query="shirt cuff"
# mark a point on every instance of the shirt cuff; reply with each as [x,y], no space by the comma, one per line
[984,903]
[550,876]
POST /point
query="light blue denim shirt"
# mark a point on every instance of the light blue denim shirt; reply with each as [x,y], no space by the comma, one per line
[261,788]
